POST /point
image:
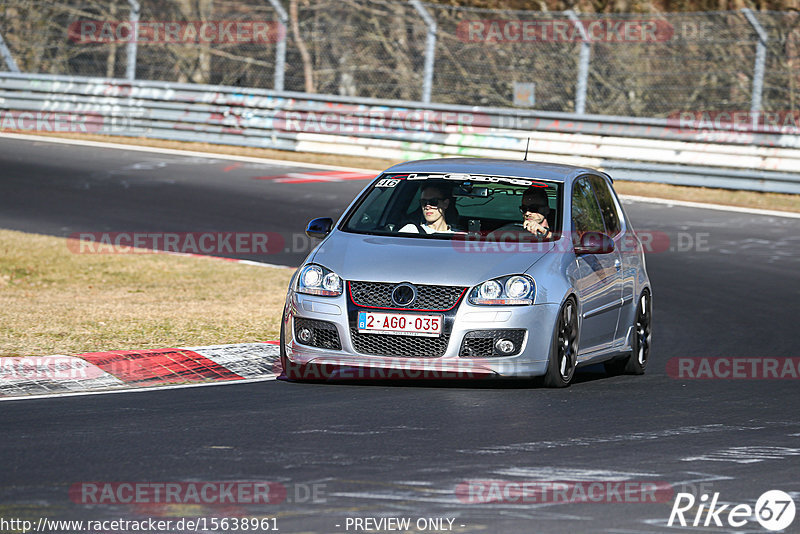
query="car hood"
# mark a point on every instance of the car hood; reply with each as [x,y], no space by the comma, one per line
[424,261]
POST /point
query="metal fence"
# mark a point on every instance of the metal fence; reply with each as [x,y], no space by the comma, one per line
[629,148]
[642,65]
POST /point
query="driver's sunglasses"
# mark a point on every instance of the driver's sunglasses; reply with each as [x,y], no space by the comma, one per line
[534,208]
[430,202]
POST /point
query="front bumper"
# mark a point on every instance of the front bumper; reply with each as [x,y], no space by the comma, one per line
[345,362]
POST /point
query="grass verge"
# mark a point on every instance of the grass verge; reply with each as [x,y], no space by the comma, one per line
[54,301]
[747,199]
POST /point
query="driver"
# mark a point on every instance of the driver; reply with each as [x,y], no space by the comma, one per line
[535,209]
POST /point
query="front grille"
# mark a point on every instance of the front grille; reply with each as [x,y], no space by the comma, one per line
[323,334]
[379,295]
[480,343]
[400,346]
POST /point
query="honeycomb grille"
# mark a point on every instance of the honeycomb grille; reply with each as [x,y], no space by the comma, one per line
[323,334]
[480,343]
[400,346]
[379,295]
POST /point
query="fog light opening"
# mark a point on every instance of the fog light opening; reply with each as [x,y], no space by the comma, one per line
[304,334]
[504,346]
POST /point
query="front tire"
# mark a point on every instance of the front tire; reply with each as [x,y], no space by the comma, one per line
[284,359]
[564,350]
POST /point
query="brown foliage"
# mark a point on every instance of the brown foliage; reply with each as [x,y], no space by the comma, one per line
[625,6]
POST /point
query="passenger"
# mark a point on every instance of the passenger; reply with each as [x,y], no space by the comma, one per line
[435,202]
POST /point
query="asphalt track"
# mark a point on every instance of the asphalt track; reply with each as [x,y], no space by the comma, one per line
[402,449]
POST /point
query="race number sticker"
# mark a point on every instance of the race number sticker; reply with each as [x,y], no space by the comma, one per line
[387,182]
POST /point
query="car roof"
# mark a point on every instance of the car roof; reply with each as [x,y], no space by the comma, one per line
[496,167]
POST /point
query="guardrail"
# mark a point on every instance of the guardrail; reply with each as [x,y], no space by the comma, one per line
[657,150]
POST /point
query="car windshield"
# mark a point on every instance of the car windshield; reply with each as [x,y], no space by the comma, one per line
[442,206]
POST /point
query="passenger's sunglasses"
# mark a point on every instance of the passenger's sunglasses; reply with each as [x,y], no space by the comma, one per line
[535,208]
[431,202]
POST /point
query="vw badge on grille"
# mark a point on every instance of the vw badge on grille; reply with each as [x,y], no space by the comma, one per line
[403,295]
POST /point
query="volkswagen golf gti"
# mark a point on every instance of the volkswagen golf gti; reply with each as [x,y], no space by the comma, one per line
[472,268]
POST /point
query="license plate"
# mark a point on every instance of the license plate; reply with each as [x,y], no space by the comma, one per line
[403,324]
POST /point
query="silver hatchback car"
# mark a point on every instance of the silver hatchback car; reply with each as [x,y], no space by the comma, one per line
[470,268]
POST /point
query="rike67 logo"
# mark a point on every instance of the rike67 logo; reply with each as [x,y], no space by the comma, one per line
[774,510]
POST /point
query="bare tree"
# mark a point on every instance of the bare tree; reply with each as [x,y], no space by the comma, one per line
[308,69]
[196,58]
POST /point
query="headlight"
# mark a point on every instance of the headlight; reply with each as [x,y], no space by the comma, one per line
[518,287]
[490,290]
[317,280]
[508,290]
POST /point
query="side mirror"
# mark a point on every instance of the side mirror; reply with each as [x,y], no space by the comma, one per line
[319,228]
[595,243]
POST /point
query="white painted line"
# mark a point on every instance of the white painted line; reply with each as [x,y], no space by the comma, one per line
[718,207]
[135,389]
[260,264]
[288,163]
[177,152]
[222,258]
[573,474]
[746,455]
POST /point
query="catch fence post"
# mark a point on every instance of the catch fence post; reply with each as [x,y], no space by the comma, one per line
[280,50]
[583,64]
[758,69]
[131,49]
[430,50]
